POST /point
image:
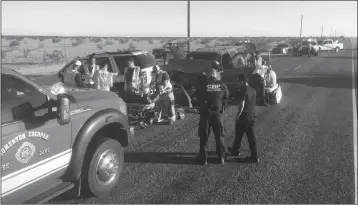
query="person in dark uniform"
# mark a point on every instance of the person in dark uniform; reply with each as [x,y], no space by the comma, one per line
[212,98]
[245,119]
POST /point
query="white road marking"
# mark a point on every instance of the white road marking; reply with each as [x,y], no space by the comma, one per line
[298,67]
[314,58]
[354,127]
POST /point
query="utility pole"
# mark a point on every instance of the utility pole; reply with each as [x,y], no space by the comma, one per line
[188,26]
[330,33]
[322,32]
[301,27]
[335,33]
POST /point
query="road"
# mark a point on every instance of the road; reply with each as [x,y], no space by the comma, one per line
[305,147]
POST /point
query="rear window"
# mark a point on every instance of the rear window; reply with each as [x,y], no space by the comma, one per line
[143,61]
[204,56]
[282,45]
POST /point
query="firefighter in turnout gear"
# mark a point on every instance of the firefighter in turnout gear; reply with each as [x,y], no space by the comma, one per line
[165,96]
[213,98]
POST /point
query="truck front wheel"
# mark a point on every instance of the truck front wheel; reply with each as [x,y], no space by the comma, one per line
[104,167]
[336,49]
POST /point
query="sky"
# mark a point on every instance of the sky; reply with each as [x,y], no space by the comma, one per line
[169,18]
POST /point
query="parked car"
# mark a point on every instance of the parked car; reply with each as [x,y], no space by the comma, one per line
[282,49]
[170,50]
[55,143]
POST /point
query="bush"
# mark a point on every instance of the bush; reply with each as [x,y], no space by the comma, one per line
[55,40]
[204,41]
[14,43]
[136,40]
[55,57]
[96,39]
[100,46]
[109,42]
[26,52]
[151,41]
[123,40]
[42,38]
[77,42]
[41,46]
[262,45]
[131,47]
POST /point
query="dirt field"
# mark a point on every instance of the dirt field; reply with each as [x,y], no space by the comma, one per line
[33,55]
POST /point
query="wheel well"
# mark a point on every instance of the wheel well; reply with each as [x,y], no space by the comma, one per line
[115,131]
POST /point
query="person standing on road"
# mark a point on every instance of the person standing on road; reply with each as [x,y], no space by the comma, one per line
[245,119]
[310,49]
[213,97]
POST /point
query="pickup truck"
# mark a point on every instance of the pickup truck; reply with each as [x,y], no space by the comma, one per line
[55,143]
[330,45]
[117,61]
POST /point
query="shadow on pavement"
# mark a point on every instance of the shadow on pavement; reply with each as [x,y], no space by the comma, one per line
[325,81]
[167,158]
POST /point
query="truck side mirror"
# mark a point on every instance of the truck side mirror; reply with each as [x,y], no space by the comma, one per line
[64,116]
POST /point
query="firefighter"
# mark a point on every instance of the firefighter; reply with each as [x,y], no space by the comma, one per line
[212,98]
[165,96]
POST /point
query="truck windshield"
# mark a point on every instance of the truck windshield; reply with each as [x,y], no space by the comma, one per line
[144,60]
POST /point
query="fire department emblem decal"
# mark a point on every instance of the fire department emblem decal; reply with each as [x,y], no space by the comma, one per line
[25,152]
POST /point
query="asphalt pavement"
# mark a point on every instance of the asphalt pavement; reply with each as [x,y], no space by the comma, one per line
[305,146]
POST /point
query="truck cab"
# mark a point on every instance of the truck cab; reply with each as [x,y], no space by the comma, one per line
[53,143]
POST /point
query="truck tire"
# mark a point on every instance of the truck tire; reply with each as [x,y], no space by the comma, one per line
[336,49]
[107,158]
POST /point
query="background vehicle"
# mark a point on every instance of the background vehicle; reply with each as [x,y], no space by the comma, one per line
[52,144]
[171,50]
[117,61]
[282,49]
[330,45]
[305,49]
